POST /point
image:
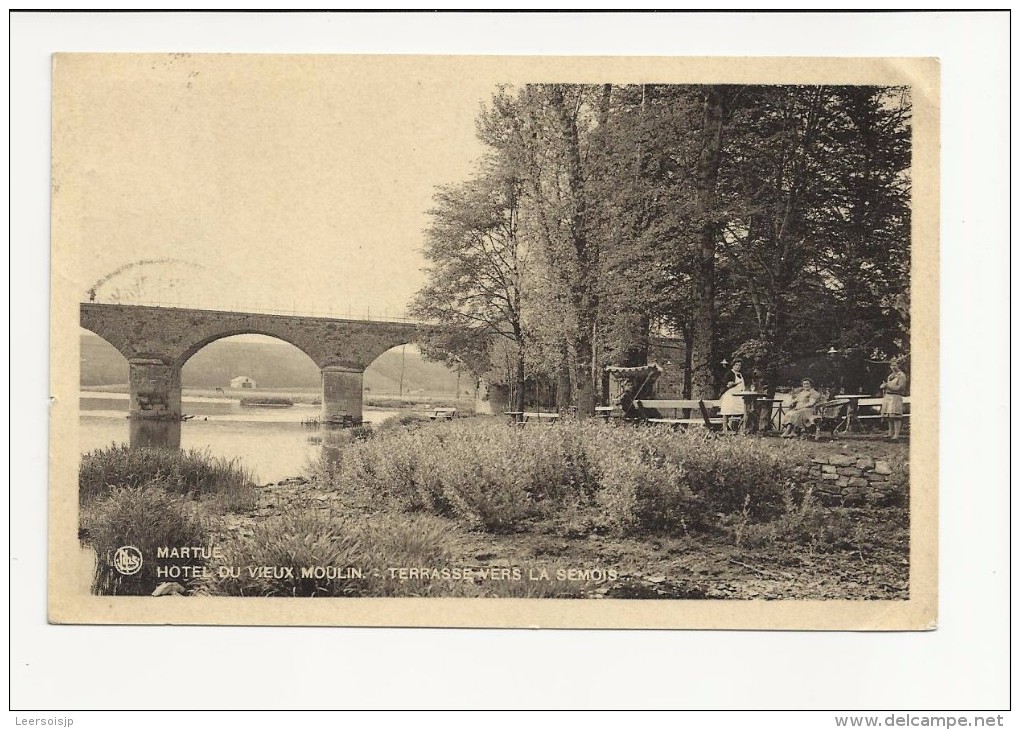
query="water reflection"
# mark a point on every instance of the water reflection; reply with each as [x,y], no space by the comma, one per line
[154,432]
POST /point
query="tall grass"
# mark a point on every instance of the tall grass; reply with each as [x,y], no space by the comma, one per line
[323,539]
[146,518]
[371,546]
[632,480]
[222,482]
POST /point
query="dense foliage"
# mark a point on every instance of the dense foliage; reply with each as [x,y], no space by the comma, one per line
[621,480]
[769,222]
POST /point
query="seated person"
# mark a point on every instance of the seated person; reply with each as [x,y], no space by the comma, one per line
[802,408]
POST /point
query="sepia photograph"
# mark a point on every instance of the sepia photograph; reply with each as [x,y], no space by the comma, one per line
[556,342]
[497,360]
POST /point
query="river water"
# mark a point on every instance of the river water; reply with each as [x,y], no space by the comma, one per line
[271,442]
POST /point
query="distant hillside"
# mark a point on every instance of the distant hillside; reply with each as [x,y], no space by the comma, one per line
[274,365]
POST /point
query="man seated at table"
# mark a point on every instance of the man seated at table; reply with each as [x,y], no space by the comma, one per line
[802,408]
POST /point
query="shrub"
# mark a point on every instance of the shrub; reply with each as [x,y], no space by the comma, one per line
[146,518]
[325,540]
[730,474]
[292,540]
[498,478]
[340,437]
[196,473]
[373,547]
[818,527]
[404,421]
[663,481]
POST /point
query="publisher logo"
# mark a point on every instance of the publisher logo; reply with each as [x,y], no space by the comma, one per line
[127,560]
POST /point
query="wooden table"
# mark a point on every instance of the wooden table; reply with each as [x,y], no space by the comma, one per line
[750,398]
[775,402]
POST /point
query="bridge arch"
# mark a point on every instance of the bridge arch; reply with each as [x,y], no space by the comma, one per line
[209,339]
[83,330]
[436,378]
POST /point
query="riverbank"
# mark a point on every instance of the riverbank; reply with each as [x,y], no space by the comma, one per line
[587,511]
[867,560]
[816,543]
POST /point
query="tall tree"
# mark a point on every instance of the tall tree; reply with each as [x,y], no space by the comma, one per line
[543,133]
[772,178]
[767,220]
[817,182]
[474,277]
[708,225]
[865,221]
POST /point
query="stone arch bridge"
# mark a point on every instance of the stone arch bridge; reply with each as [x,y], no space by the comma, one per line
[157,341]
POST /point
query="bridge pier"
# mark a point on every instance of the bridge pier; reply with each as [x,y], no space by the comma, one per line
[341,394]
[155,406]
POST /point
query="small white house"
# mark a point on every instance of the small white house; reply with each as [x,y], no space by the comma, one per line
[242,381]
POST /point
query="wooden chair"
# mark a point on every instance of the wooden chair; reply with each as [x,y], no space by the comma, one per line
[829,416]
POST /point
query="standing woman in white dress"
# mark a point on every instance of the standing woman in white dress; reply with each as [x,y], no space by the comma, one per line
[731,404]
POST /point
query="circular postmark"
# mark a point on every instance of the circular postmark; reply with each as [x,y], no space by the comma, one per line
[127,560]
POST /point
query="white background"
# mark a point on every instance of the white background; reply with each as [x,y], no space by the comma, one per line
[964,665]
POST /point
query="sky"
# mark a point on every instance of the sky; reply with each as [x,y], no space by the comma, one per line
[267,182]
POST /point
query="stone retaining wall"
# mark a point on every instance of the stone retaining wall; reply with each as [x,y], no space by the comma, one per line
[849,480]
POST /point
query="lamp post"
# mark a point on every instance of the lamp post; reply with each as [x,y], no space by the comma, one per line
[832,352]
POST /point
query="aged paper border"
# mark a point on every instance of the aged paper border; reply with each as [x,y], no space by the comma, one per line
[70,602]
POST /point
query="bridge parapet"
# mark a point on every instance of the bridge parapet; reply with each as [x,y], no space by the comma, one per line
[158,341]
[175,334]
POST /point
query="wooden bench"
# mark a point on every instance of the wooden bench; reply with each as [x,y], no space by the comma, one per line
[874,406]
[522,417]
[869,410]
[539,416]
[683,412]
[444,414]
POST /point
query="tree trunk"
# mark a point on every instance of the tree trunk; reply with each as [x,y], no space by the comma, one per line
[688,347]
[584,396]
[563,394]
[703,371]
[519,382]
[583,294]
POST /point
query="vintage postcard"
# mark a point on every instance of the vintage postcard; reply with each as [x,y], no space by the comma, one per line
[494,341]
